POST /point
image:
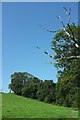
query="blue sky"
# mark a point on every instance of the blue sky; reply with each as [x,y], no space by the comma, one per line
[1,46]
[22,33]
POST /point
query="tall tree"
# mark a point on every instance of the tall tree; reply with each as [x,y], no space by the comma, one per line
[66,45]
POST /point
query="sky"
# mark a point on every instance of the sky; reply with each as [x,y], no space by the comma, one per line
[40,0]
[21,33]
[0,46]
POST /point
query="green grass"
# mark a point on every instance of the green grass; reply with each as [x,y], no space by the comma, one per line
[0,105]
[14,106]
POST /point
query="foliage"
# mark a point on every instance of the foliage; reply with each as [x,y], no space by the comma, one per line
[18,80]
[64,47]
[68,69]
[27,85]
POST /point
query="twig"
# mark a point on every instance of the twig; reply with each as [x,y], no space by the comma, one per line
[52,31]
[68,14]
[46,53]
[61,21]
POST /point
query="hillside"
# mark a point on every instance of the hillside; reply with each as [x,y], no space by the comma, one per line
[0,105]
[19,107]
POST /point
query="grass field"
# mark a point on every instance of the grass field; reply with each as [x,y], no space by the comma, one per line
[14,106]
[0,105]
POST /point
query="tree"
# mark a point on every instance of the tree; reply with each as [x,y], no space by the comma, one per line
[27,85]
[18,80]
[67,49]
[31,87]
[49,90]
[68,87]
[66,45]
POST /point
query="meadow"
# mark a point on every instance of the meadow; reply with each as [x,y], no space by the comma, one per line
[0,105]
[14,106]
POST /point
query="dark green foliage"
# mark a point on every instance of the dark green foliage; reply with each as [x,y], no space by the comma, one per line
[68,85]
[18,80]
[40,95]
[49,90]
[29,86]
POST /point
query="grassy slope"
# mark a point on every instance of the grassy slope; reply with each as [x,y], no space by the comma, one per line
[0,105]
[19,107]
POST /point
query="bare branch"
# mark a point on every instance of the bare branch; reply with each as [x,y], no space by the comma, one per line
[49,62]
[72,33]
[73,37]
[77,45]
[52,31]
[68,13]
[64,29]
[67,32]
[61,21]
[46,53]
[71,57]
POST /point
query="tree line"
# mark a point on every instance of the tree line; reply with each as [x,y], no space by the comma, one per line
[25,84]
[63,92]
